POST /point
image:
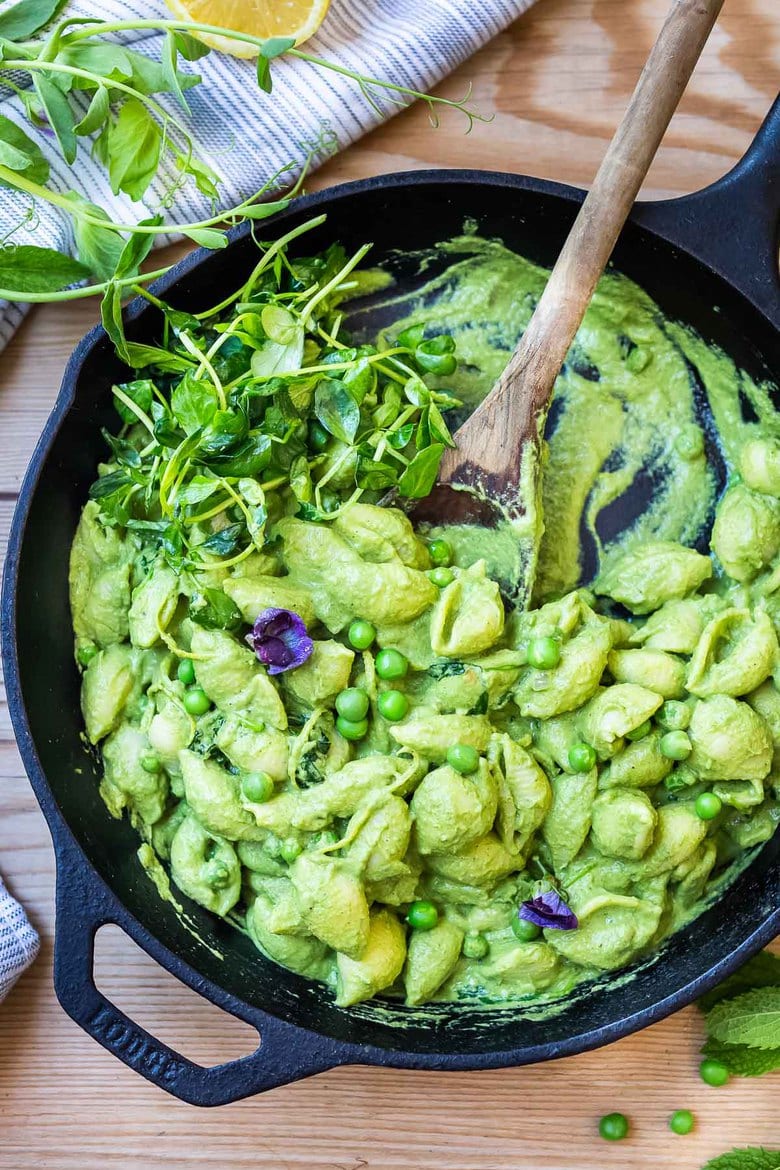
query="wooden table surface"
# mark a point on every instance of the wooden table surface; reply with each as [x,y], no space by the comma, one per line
[557,81]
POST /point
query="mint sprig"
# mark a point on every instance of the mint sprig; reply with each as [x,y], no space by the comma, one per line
[742,1017]
[137,138]
[746,1158]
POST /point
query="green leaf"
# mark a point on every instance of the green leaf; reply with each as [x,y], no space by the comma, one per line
[224,542]
[275,46]
[264,79]
[148,75]
[375,476]
[265,210]
[214,610]
[108,61]
[250,458]
[206,237]
[746,1158]
[420,476]
[138,356]
[20,153]
[190,47]
[336,409]
[752,1018]
[111,318]
[26,17]
[136,248]
[59,114]
[194,402]
[141,392]
[169,60]
[100,248]
[741,1060]
[134,145]
[97,113]
[29,269]
[763,970]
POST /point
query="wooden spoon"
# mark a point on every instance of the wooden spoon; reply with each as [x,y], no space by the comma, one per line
[497,462]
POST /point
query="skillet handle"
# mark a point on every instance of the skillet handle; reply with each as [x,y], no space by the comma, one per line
[286,1053]
[733,225]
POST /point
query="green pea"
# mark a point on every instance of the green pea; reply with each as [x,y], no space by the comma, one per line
[257,787]
[151,764]
[422,915]
[85,654]
[613,1127]
[581,757]
[524,930]
[391,664]
[682,1121]
[185,671]
[318,436]
[544,653]
[475,946]
[350,729]
[196,701]
[689,443]
[707,806]
[361,634]
[463,758]
[352,704]
[674,715]
[713,1072]
[641,731]
[393,705]
[442,577]
[216,874]
[638,359]
[675,745]
[440,552]
[289,850]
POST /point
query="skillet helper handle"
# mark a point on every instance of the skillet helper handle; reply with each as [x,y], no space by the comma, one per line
[285,1053]
[733,226]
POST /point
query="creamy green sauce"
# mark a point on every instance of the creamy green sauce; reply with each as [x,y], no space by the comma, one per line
[624,406]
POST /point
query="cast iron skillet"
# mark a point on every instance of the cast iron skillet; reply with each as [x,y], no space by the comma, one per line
[709,259]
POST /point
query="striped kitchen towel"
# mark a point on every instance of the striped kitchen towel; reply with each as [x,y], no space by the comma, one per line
[247,136]
[18,941]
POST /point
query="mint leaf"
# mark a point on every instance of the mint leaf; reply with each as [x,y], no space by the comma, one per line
[25,18]
[742,1061]
[134,145]
[28,269]
[763,970]
[746,1158]
[752,1018]
[20,153]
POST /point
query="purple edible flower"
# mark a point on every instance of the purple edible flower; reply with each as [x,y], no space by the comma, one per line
[280,640]
[548,910]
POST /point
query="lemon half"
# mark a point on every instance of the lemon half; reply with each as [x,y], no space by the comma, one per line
[299,19]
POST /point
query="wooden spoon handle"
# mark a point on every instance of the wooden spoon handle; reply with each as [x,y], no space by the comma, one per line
[516,408]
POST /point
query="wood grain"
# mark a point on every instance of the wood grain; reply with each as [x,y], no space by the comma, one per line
[558,82]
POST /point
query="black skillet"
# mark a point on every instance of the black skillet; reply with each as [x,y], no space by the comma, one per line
[708,259]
